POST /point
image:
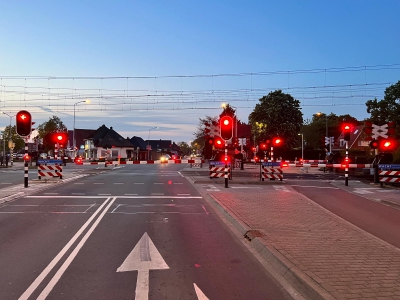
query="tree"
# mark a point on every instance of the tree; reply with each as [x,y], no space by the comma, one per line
[315,130]
[6,136]
[387,109]
[53,125]
[277,114]
[185,148]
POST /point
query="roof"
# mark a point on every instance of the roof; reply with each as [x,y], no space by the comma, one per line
[107,137]
[138,142]
[159,144]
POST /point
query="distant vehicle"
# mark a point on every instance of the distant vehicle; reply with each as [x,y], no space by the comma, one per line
[165,158]
[20,156]
[78,160]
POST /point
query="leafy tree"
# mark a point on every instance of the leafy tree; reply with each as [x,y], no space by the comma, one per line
[185,148]
[53,125]
[200,135]
[387,109]
[277,114]
[6,136]
[315,130]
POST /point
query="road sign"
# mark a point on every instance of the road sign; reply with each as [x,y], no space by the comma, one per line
[50,161]
[389,166]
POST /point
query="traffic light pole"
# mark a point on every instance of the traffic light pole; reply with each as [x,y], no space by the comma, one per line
[226,164]
[346,172]
[26,164]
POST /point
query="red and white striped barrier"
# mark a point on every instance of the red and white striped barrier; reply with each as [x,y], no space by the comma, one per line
[147,162]
[272,173]
[49,171]
[216,175]
[394,176]
[356,166]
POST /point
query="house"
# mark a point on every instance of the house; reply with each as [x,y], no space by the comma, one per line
[80,136]
[107,143]
[141,148]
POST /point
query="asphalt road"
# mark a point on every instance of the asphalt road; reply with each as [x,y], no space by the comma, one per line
[137,232]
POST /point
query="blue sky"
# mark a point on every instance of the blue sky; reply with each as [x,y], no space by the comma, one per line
[168,63]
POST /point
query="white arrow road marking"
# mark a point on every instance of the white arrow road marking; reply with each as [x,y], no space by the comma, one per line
[143,258]
[199,293]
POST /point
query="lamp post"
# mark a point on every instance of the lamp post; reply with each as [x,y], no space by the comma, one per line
[73,134]
[302,146]
[148,145]
[9,142]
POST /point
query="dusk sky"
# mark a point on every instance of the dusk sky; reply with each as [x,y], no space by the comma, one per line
[168,63]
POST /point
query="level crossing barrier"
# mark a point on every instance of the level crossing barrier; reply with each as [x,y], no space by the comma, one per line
[271,170]
[196,165]
[389,173]
[50,168]
[217,169]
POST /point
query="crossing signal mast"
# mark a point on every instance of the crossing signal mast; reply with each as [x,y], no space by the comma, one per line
[23,125]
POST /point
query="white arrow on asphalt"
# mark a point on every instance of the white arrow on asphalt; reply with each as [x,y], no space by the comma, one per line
[199,293]
[143,258]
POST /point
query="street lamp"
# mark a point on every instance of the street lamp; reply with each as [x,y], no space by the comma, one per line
[302,146]
[9,142]
[73,134]
[148,140]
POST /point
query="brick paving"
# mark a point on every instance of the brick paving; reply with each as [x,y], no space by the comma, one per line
[331,254]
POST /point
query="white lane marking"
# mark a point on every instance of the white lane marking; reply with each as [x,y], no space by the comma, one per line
[199,293]
[46,291]
[116,208]
[143,258]
[362,191]
[205,210]
[119,196]
[315,186]
[180,174]
[281,188]
[56,259]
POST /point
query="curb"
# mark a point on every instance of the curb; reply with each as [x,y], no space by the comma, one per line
[12,197]
[298,279]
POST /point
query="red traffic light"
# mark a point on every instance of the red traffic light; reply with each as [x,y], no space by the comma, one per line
[263,146]
[60,138]
[276,142]
[23,123]
[374,144]
[346,131]
[387,145]
[27,157]
[226,127]
[218,143]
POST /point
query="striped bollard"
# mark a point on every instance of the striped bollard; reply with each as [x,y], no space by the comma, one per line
[26,164]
